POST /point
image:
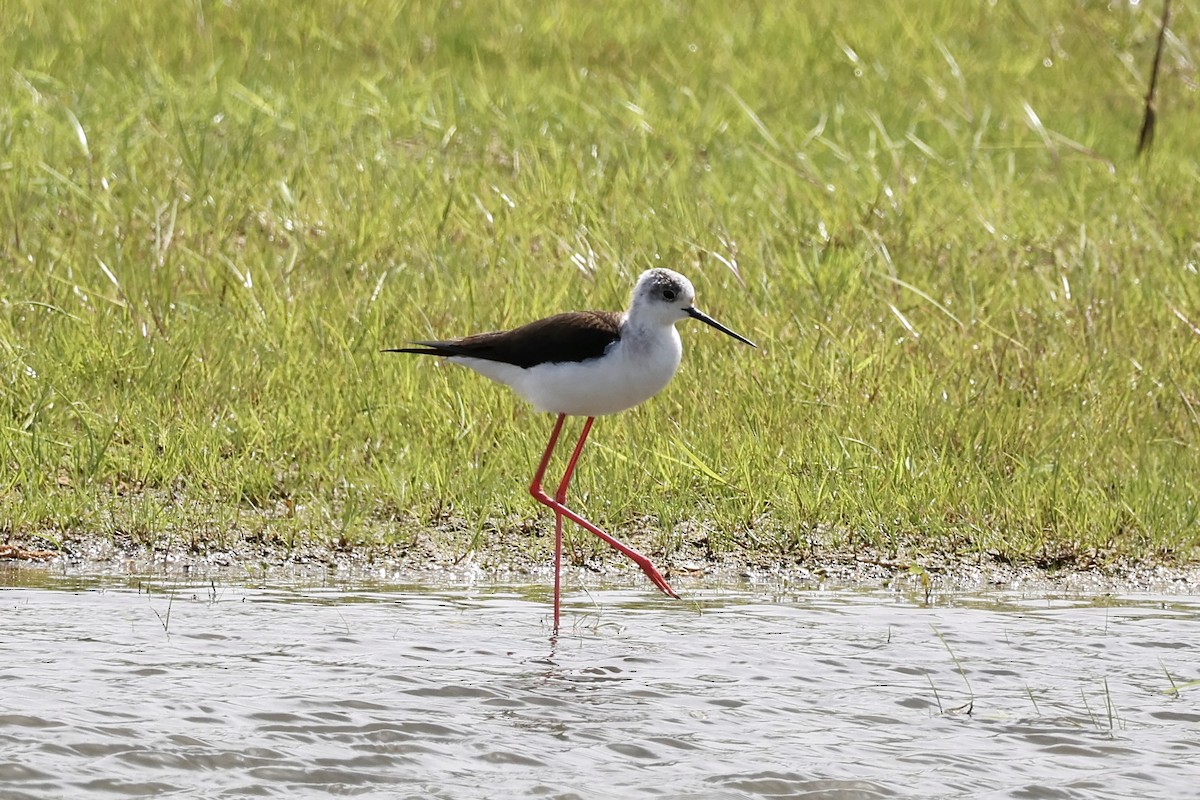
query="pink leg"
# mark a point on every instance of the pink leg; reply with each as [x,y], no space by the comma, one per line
[535,489]
[558,503]
[560,498]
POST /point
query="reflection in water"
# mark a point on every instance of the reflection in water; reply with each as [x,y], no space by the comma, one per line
[119,688]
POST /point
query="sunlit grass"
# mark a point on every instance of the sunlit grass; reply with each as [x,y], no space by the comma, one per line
[979,317]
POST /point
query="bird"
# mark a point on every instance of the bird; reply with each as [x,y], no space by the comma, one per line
[586,364]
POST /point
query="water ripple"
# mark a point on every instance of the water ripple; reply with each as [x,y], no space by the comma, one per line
[198,691]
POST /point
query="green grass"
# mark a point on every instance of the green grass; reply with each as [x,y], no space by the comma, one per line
[979,315]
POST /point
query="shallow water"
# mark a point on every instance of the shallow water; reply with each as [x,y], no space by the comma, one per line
[134,688]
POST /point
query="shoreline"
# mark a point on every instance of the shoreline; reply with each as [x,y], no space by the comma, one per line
[930,574]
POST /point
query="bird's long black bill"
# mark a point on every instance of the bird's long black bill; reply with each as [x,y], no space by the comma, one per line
[706,319]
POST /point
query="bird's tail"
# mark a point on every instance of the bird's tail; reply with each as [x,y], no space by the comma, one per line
[424,349]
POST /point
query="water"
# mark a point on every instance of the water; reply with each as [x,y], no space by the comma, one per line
[125,688]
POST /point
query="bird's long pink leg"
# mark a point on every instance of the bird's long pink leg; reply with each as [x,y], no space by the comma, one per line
[558,503]
[535,489]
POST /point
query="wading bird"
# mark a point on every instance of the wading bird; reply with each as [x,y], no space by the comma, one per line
[586,364]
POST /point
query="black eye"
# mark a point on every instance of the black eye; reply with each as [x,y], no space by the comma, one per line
[668,294]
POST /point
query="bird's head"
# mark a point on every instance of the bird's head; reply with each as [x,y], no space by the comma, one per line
[664,297]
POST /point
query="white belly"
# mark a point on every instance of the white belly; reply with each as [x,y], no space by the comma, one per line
[628,374]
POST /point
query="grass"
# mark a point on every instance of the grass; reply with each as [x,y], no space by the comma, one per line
[979,315]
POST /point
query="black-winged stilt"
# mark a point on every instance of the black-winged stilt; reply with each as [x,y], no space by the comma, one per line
[586,364]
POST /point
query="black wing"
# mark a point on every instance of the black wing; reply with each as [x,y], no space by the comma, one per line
[572,336]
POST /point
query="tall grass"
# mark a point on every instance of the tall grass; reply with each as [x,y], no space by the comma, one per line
[979,315]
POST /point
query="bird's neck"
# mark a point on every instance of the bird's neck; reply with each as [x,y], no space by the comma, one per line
[641,334]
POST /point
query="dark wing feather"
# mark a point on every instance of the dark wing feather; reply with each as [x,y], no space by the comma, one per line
[572,336]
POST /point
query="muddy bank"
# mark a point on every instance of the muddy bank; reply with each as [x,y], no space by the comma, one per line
[443,559]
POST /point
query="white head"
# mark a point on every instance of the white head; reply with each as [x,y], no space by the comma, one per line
[664,297]
[661,296]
